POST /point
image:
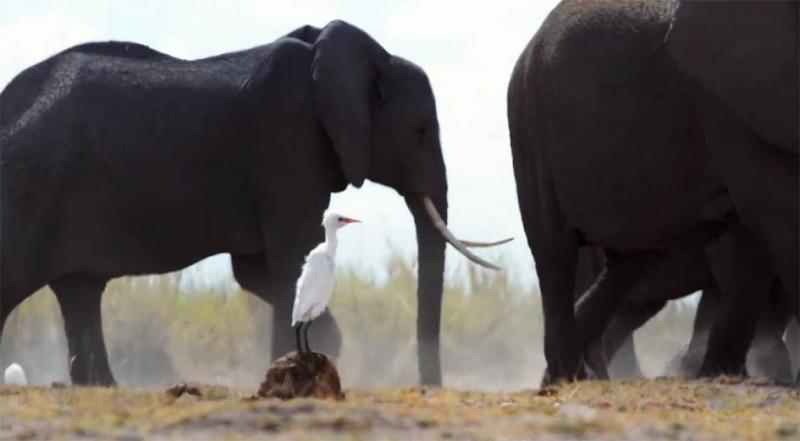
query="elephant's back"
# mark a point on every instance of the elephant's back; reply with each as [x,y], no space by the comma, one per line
[56,73]
[588,52]
[610,43]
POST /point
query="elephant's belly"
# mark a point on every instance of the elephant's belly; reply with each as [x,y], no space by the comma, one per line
[151,239]
[642,204]
[631,171]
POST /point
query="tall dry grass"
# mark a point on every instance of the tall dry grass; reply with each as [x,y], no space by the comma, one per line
[161,329]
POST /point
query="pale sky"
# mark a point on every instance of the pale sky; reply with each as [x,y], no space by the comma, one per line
[467,48]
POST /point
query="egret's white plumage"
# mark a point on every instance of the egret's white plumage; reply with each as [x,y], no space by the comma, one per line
[315,285]
[317,280]
[15,375]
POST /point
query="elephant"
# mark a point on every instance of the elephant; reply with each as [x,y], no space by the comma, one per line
[611,144]
[120,160]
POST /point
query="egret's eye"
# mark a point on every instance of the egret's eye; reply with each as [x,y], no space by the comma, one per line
[341,219]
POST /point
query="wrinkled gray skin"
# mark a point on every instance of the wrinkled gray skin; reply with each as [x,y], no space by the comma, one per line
[615,146]
[120,160]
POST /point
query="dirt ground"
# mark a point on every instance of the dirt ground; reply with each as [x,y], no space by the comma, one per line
[641,410]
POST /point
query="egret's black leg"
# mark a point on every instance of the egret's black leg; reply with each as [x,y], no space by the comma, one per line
[305,334]
[297,336]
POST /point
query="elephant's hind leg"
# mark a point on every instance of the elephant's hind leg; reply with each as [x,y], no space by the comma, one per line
[79,296]
[596,309]
[555,265]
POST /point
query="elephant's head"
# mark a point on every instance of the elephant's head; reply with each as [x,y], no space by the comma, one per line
[379,112]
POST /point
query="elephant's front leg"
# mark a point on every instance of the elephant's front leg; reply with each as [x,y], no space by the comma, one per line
[79,296]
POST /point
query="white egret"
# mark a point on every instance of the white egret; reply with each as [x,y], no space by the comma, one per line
[15,375]
[316,282]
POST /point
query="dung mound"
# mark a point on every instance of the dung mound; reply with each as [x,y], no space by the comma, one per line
[302,375]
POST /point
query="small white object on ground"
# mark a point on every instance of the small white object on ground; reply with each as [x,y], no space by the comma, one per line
[15,375]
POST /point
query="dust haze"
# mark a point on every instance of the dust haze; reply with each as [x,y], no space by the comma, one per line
[161,329]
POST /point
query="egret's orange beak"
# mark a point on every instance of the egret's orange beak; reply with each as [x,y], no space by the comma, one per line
[347,220]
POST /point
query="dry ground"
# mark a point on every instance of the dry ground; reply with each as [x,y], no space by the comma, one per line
[721,409]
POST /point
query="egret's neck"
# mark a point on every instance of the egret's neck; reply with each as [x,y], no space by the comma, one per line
[330,240]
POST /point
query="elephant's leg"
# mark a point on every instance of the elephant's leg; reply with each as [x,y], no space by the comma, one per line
[792,338]
[595,310]
[273,282]
[762,180]
[618,339]
[555,265]
[79,296]
[704,318]
[744,273]
[769,356]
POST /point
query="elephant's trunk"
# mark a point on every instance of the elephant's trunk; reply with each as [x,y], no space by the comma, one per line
[430,245]
[430,218]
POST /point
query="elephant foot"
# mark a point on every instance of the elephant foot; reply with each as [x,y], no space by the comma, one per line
[715,367]
[84,371]
[553,380]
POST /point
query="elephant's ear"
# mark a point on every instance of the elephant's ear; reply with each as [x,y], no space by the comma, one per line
[345,65]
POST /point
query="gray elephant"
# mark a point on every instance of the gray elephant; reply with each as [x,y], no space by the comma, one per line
[615,145]
[121,160]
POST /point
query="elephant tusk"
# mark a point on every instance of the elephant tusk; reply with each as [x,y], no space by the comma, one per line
[457,244]
[473,244]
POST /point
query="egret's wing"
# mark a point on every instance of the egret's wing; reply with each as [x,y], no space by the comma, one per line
[314,287]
